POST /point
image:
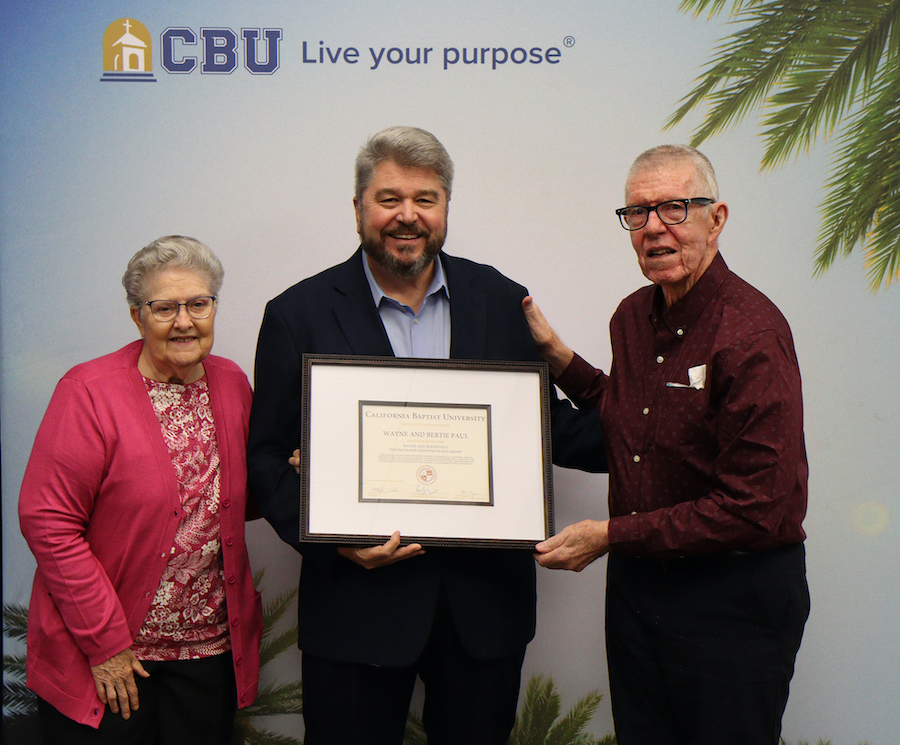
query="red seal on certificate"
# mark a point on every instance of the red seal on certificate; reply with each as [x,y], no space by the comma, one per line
[426,475]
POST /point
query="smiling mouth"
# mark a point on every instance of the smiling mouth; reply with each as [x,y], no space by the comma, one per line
[406,236]
[657,252]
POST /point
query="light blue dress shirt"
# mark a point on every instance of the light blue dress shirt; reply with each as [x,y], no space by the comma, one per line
[422,334]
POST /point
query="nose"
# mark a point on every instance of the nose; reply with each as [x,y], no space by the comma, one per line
[183,318]
[654,224]
[407,213]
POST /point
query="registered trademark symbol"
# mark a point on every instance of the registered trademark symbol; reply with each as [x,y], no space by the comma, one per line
[569,41]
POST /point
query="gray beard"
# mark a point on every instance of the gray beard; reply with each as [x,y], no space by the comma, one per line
[401,268]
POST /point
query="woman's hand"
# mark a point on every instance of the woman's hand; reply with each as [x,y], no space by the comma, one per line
[294,460]
[115,682]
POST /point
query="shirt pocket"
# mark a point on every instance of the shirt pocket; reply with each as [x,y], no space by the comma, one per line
[685,424]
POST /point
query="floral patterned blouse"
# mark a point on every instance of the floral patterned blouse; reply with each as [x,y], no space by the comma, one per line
[187,619]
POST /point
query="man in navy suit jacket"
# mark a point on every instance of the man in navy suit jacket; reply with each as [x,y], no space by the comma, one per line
[372,619]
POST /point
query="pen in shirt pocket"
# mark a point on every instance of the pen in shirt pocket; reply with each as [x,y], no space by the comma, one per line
[696,376]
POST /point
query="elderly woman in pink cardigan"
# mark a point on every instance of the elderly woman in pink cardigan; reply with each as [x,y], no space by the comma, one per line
[144,625]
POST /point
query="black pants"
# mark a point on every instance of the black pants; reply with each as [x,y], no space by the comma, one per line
[467,700]
[184,702]
[701,650]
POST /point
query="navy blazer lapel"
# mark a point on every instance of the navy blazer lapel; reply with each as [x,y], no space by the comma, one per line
[356,313]
[468,311]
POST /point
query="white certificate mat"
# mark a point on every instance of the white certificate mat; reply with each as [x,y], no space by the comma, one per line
[447,452]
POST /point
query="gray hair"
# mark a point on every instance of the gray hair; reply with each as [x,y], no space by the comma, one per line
[171,251]
[408,147]
[666,155]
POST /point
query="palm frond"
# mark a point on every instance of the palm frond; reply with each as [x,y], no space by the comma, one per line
[276,698]
[837,73]
[275,609]
[274,645]
[415,731]
[539,710]
[748,65]
[256,736]
[570,728]
[15,621]
[14,664]
[863,191]
[815,67]
[18,701]
[713,7]
[280,698]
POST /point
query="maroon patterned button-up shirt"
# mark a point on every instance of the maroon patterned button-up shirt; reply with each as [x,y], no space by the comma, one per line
[703,418]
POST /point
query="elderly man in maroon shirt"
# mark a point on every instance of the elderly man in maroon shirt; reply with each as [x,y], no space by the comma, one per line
[702,409]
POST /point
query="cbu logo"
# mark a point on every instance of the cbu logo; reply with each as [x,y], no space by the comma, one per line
[220,50]
[128,51]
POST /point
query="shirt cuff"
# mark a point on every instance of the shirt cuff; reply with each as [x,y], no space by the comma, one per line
[577,376]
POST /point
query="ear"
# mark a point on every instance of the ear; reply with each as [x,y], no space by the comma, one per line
[136,317]
[358,211]
[718,217]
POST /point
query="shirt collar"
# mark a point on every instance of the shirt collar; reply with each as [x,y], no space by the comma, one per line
[689,308]
[438,281]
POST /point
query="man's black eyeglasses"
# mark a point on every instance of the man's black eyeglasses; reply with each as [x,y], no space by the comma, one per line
[673,212]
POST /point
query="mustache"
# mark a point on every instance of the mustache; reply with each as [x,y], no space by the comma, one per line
[407,230]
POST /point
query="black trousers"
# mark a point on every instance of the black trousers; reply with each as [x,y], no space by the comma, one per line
[701,650]
[184,702]
[467,700]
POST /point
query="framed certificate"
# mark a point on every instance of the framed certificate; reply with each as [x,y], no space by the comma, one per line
[448,452]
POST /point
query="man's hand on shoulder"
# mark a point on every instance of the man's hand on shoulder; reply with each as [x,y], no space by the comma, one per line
[553,351]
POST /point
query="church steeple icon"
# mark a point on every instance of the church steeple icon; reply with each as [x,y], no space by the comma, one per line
[133,51]
[127,56]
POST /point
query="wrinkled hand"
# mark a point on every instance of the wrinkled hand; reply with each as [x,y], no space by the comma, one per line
[556,354]
[294,460]
[575,546]
[115,682]
[379,556]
